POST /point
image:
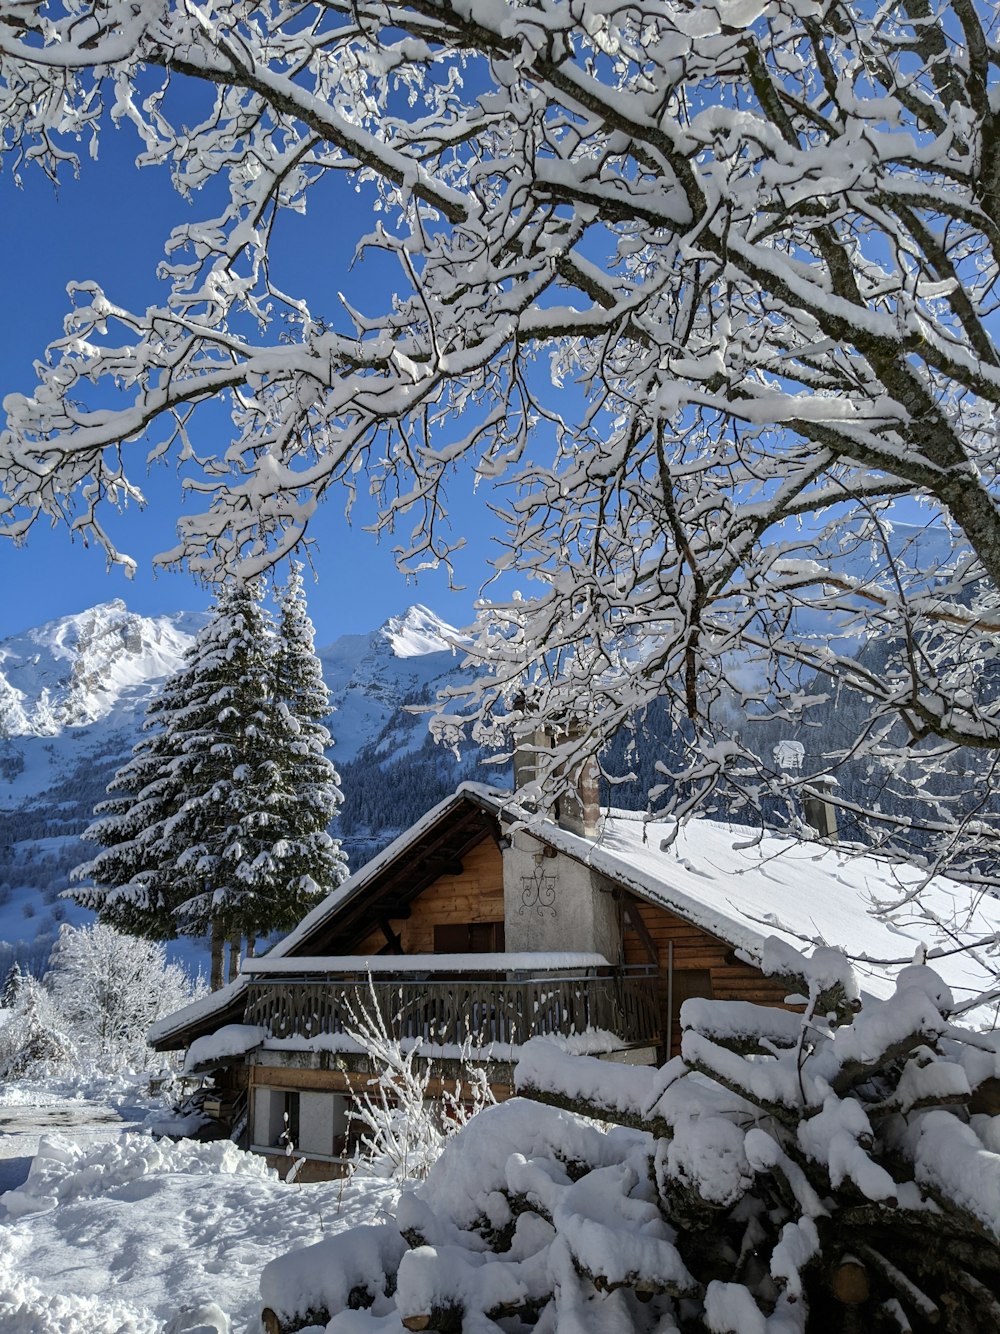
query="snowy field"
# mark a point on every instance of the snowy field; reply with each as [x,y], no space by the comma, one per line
[104,1230]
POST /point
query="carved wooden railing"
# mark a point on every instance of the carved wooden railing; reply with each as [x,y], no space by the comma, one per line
[478,1011]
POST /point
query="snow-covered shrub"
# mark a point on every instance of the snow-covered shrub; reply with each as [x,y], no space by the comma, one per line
[402,1130]
[32,1041]
[837,1170]
[109,988]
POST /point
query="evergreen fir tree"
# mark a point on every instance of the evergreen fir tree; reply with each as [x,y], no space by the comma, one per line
[221,748]
[134,885]
[305,784]
[217,824]
[12,987]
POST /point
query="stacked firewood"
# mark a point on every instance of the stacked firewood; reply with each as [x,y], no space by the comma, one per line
[832,1169]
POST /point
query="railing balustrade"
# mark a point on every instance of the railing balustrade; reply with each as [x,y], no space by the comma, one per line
[475,1012]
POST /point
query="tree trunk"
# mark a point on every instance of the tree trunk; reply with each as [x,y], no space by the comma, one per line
[235,942]
[218,948]
[251,944]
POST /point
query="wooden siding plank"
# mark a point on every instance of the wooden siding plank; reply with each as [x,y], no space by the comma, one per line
[696,949]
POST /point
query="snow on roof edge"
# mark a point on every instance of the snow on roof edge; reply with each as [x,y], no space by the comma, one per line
[197,1010]
[735,928]
[659,887]
[515,961]
[218,1000]
[590,852]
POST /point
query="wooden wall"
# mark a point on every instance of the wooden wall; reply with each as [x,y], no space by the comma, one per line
[476,895]
[700,955]
[358,1082]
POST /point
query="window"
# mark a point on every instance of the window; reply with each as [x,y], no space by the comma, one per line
[276,1111]
[289,1133]
[469,938]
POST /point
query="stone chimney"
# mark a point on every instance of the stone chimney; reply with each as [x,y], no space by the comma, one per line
[577,809]
[819,810]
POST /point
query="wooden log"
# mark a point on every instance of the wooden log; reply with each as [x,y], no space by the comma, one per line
[852,1073]
[788,1116]
[441,1319]
[273,1324]
[643,1287]
[986,1097]
[849,1281]
[902,1284]
[834,1000]
[656,1125]
[451,1319]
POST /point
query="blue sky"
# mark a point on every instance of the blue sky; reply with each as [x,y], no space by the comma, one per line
[110,225]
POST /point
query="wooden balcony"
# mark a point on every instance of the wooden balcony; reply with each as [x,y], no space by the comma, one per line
[471,1009]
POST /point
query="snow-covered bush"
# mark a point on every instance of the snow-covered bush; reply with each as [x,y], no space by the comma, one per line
[32,1041]
[402,1130]
[837,1170]
[109,988]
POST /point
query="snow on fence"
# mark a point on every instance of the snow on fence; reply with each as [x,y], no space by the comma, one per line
[475,1010]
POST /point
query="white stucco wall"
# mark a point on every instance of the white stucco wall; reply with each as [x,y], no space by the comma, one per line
[315,1123]
[555,903]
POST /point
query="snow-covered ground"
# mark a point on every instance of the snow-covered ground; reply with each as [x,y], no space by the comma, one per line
[112,1232]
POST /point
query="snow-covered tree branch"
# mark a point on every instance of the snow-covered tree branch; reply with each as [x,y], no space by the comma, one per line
[757,246]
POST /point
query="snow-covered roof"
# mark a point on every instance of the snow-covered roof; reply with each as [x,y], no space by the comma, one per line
[359,882]
[724,878]
[198,1015]
[742,889]
[199,1012]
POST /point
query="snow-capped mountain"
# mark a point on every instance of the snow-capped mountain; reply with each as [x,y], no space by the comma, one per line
[372,678]
[101,666]
[80,669]
[419,632]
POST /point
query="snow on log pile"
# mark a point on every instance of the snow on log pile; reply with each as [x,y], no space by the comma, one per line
[834,1170]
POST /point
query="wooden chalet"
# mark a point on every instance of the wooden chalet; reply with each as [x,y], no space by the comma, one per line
[481,927]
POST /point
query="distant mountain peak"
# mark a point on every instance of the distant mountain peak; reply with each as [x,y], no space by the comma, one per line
[76,669]
[418,631]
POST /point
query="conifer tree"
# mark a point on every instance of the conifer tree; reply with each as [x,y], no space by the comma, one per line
[219,743]
[217,823]
[134,886]
[12,987]
[307,786]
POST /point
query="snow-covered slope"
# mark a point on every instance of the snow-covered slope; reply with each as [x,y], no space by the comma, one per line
[79,669]
[69,687]
[373,677]
[73,692]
